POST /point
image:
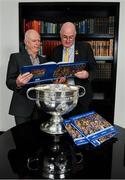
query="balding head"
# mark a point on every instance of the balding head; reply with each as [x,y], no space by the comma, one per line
[68,34]
[68,27]
[30,33]
[32,41]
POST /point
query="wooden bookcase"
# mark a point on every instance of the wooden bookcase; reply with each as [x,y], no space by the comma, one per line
[97,23]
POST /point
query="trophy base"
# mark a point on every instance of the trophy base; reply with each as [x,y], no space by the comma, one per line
[54,126]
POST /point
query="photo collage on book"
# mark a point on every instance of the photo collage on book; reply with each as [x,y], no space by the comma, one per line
[89,127]
[51,71]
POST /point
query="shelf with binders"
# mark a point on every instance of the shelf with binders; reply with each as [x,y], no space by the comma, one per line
[103,71]
[98,31]
[102,49]
[84,25]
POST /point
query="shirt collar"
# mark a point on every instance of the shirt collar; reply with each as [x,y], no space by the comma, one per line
[72,47]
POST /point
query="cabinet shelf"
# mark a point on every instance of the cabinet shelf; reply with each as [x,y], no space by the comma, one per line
[96,22]
[104,58]
[83,36]
[102,101]
[108,81]
[96,36]
[51,36]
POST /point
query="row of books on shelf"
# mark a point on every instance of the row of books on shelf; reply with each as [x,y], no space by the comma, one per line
[100,48]
[99,25]
[103,71]
[89,127]
[48,46]
[103,25]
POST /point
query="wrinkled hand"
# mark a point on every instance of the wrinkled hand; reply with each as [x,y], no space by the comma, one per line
[82,74]
[61,80]
[22,79]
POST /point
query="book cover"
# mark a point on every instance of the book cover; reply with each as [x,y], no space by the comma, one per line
[51,71]
[94,127]
[78,138]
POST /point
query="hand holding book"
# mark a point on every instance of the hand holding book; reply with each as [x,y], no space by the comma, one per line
[82,74]
[52,71]
[23,79]
[61,80]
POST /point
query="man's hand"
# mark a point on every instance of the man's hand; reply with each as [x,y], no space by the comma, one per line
[61,80]
[82,74]
[22,79]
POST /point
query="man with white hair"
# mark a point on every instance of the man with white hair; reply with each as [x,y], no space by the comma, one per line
[21,107]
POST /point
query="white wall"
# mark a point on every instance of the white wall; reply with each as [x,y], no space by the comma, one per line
[120,86]
[9,42]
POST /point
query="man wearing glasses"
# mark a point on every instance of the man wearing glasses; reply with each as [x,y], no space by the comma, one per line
[72,51]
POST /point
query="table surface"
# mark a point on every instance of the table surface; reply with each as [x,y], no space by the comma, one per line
[27,152]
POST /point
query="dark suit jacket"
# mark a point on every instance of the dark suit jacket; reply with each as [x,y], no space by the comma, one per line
[20,104]
[83,51]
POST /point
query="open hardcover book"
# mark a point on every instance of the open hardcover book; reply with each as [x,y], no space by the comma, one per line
[52,70]
[89,127]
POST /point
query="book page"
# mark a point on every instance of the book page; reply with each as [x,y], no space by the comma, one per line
[50,71]
[68,69]
[53,62]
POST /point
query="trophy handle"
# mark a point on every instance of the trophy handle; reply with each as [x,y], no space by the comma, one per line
[33,163]
[83,92]
[27,93]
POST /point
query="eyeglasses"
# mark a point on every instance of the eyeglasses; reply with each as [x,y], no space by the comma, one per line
[70,38]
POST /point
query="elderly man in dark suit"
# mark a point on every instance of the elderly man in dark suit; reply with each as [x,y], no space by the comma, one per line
[21,107]
[77,51]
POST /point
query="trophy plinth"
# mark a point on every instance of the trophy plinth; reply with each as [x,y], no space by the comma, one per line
[55,99]
[54,125]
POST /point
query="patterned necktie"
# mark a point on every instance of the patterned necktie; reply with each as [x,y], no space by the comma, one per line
[66,57]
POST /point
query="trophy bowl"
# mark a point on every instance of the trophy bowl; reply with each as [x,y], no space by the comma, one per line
[56,99]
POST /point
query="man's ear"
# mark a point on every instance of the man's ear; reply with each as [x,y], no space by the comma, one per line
[25,42]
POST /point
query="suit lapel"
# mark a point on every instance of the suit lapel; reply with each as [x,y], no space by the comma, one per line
[26,59]
[76,53]
[59,54]
[42,59]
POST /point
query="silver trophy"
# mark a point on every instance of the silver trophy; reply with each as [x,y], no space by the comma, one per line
[57,100]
